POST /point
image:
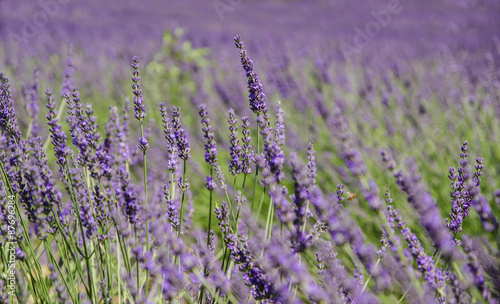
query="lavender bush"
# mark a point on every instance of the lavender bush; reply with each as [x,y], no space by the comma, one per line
[319,181]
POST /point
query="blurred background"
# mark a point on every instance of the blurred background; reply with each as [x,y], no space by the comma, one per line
[129,26]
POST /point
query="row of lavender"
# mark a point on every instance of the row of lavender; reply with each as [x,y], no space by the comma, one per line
[107,227]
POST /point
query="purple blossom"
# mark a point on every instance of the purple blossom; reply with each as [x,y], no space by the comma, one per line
[8,120]
[32,107]
[311,163]
[253,274]
[300,198]
[172,214]
[235,164]
[420,198]
[170,138]
[180,135]
[143,144]
[139,109]
[127,196]
[209,136]
[247,154]
[426,265]
[279,129]
[40,195]
[273,152]
[67,85]
[58,136]
[255,88]
[210,184]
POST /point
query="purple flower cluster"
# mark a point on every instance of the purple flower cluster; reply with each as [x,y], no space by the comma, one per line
[8,119]
[139,109]
[209,136]
[255,88]
[235,164]
[180,135]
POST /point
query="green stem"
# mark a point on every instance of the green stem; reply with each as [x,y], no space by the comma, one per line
[71,291]
[256,167]
[268,220]
[146,206]
[182,199]
[261,202]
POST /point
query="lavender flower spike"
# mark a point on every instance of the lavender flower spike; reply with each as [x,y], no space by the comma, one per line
[311,163]
[235,164]
[247,154]
[210,144]
[8,120]
[139,109]
[180,135]
[255,88]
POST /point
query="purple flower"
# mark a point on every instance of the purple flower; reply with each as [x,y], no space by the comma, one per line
[272,151]
[210,184]
[255,88]
[102,209]
[279,129]
[40,195]
[170,137]
[311,163]
[127,196]
[58,136]
[209,136]
[235,164]
[459,196]
[247,154]
[426,265]
[84,132]
[253,274]
[300,198]
[32,107]
[67,85]
[180,135]
[420,198]
[143,144]
[139,109]
[172,215]
[8,120]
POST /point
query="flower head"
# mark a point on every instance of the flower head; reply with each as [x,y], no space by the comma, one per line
[255,88]
[139,109]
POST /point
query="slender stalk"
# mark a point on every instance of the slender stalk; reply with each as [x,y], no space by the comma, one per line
[118,272]
[210,211]
[71,291]
[261,202]
[182,199]
[146,205]
[268,220]
[137,262]
[256,167]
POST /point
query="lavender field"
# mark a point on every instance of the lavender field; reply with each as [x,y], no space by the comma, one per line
[242,151]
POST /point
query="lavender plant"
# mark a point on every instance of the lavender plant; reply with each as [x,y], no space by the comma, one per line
[124,221]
